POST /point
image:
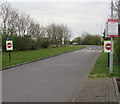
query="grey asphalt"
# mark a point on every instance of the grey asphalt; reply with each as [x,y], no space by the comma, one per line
[56,79]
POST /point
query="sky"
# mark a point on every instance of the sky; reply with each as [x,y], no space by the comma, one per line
[79,15]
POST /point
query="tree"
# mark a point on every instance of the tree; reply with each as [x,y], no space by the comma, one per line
[66,34]
[28,32]
[88,39]
[58,34]
[117,9]
[5,14]
[77,40]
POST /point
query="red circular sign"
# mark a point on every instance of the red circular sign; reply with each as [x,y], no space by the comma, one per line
[108,46]
[9,45]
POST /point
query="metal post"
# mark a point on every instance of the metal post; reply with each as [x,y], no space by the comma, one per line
[9,56]
[101,34]
[112,9]
[111,58]
[108,59]
[111,53]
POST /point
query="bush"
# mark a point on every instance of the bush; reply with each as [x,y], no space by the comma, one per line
[45,44]
[3,43]
[21,43]
[38,43]
[91,40]
[117,48]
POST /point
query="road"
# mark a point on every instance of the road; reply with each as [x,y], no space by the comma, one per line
[56,79]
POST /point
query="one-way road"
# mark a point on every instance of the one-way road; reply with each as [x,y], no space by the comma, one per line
[56,79]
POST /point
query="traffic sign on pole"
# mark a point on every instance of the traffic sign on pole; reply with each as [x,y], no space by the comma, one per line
[107,46]
[9,45]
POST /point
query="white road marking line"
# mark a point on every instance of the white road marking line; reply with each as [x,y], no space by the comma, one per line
[100,51]
[90,51]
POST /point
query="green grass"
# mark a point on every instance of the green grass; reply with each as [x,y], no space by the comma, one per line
[25,56]
[101,68]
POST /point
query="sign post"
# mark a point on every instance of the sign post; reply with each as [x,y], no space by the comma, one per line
[108,48]
[9,47]
[111,31]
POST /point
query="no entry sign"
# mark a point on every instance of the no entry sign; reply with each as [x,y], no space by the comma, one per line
[107,46]
[9,45]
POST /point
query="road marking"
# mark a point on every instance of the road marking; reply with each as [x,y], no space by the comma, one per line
[77,51]
[91,50]
[85,50]
[101,51]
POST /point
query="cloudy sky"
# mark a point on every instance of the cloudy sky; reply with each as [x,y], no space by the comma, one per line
[79,15]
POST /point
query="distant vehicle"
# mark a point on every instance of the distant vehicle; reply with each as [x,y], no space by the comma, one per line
[0,49]
[75,43]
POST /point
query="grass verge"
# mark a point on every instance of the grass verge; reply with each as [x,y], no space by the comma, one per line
[101,68]
[19,57]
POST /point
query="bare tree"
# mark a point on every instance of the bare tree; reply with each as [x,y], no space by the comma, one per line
[22,24]
[4,14]
[58,34]
[117,13]
[117,9]
[8,15]
[66,34]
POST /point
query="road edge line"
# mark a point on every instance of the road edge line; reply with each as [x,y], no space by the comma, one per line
[116,87]
[74,98]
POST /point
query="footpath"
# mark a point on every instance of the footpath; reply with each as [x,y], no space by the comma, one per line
[97,90]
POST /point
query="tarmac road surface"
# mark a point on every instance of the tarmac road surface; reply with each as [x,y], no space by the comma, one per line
[56,79]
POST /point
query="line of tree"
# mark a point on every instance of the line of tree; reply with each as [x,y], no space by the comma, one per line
[29,34]
[87,39]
